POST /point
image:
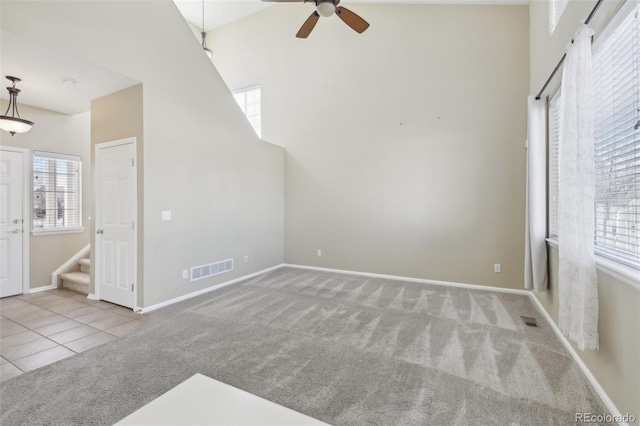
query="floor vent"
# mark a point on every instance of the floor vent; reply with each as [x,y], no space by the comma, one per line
[206,271]
[531,322]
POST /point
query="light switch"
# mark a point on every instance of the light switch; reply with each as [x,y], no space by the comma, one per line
[166,215]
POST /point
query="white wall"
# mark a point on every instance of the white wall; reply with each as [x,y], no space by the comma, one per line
[405,144]
[202,160]
[66,134]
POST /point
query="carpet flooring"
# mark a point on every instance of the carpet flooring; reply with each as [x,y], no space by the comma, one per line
[348,350]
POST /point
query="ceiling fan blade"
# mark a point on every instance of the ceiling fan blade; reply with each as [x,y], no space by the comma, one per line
[351,19]
[308,25]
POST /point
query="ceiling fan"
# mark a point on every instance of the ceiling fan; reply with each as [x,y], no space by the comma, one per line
[326,8]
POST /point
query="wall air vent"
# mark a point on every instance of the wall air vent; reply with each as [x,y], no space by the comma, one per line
[206,271]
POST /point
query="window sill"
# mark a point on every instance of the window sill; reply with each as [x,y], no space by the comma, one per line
[41,232]
[615,270]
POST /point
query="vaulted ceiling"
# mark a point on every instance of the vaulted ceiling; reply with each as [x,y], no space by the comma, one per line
[55,81]
[220,12]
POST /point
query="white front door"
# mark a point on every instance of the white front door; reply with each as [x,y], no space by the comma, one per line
[115,222]
[11,222]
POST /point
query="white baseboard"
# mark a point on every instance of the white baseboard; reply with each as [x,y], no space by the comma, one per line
[415,280]
[68,264]
[43,288]
[91,296]
[205,290]
[594,382]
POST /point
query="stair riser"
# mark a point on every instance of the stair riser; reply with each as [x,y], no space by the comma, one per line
[86,269]
[71,285]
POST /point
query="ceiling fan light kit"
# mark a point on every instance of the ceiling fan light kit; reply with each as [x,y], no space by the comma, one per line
[13,123]
[326,8]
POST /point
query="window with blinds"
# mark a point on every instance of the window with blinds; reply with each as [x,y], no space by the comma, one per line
[616,78]
[57,203]
[250,103]
[554,140]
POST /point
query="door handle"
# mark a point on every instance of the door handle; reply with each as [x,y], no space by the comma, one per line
[15,231]
[16,221]
[99,231]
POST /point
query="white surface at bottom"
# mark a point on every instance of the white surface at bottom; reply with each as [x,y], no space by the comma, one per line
[201,400]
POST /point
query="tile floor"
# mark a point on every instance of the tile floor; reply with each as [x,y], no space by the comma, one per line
[41,328]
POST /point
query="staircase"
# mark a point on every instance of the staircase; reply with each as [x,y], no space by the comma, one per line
[78,280]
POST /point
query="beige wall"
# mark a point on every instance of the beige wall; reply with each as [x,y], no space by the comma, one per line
[66,134]
[202,160]
[615,364]
[119,116]
[405,145]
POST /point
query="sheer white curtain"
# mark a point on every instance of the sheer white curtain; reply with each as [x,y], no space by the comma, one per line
[578,316]
[535,262]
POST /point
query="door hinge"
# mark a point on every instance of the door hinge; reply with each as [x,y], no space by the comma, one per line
[131,286]
[133,224]
[132,163]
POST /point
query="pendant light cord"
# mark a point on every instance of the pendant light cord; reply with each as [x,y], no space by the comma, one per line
[204,35]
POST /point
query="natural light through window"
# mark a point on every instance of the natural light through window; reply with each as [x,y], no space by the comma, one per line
[616,76]
[57,204]
[556,7]
[249,100]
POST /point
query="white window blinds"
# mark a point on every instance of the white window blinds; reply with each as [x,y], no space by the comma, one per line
[616,67]
[249,100]
[554,140]
[616,77]
[57,191]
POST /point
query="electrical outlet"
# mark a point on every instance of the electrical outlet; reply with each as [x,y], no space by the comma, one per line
[246,259]
[496,267]
[185,274]
[319,252]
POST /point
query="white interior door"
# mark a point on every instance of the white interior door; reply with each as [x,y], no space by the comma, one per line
[11,222]
[115,222]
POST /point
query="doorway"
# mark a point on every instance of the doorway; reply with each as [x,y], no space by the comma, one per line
[14,205]
[116,227]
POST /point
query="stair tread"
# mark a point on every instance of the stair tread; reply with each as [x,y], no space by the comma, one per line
[77,277]
[86,262]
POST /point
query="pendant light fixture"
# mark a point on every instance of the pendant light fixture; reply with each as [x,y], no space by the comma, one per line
[204,36]
[14,124]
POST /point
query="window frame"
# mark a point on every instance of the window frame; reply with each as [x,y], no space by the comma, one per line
[57,157]
[244,91]
[556,9]
[553,139]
